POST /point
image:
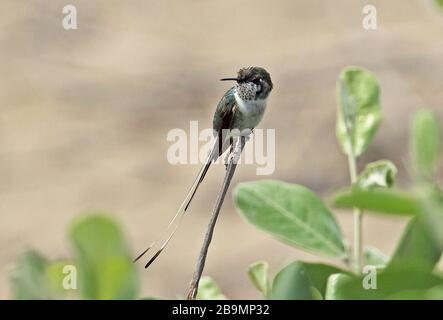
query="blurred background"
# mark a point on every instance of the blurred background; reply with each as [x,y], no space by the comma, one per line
[85,114]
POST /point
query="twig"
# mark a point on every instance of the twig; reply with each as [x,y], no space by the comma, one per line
[192,292]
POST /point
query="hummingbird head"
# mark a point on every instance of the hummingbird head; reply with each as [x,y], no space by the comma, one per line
[253,83]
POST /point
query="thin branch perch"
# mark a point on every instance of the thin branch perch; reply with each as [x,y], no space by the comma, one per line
[192,292]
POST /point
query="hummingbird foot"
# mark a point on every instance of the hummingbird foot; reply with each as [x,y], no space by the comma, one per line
[237,148]
[228,156]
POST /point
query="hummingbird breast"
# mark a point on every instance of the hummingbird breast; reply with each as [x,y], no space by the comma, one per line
[250,112]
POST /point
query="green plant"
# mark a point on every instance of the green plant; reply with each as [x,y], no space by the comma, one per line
[296,216]
[439,4]
[101,267]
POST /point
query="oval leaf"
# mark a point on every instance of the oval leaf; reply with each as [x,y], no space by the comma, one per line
[392,281]
[209,290]
[417,247]
[432,205]
[29,278]
[425,143]
[292,283]
[435,293]
[319,274]
[292,213]
[334,285]
[105,267]
[36,278]
[258,273]
[378,201]
[62,275]
[359,112]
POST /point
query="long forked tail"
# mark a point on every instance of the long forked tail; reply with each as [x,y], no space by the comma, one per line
[157,246]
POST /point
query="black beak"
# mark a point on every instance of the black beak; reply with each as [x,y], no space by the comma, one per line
[227,79]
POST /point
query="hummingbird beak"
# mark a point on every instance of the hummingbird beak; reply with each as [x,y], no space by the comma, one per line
[228,79]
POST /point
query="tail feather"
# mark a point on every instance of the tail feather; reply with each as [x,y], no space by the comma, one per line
[157,246]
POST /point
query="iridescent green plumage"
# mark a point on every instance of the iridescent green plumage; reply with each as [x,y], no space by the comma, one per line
[224,111]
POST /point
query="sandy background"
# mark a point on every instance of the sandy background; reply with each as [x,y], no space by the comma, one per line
[85,114]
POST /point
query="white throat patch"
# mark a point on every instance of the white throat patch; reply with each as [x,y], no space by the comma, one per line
[250,106]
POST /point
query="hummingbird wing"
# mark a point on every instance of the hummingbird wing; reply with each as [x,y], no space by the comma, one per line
[223,119]
[222,123]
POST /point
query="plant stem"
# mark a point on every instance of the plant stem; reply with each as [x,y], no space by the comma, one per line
[358,214]
[193,288]
[358,240]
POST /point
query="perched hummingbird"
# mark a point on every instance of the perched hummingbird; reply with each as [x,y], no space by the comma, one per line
[241,108]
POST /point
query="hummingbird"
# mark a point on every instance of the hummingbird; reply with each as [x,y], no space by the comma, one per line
[240,110]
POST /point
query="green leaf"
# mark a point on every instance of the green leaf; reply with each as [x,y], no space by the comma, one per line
[319,274]
[62,275]
[292,283]
[359,112]
[208,290]
[292,213]
[378,201]
[417,247]
[105,267]
[377,174]
[435,293]
[302,280]
[29,278]
[439,4]
[425,141]
[36,278]
[258,273]
[334,285]
[374,257]
[392,281]
[432,206]
[316,295]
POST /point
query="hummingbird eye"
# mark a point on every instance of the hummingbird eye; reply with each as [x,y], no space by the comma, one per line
[257,81]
